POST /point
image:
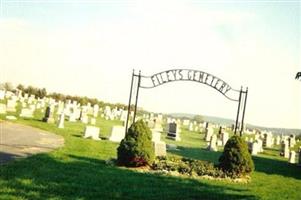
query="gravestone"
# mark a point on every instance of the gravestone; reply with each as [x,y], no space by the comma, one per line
[93,121]
[158,126]
[48,115]
[267,140]
[25,112]
[123,116]
[219,143]
[172,132]
[209,133]
[260,149]
[2,108]
[72,117]
[61,120]
[10,117]
[186,122]
[84,119]
[190,127]
[117,134]
[291,141]
[60,108]
[299,163]
[225,137]
[11,106]
[212,145]
[285,149]
[156,136]
[160,148]
[278,140]
[292,157]
[2,94]
[95,110]
[92,132]
[254,147]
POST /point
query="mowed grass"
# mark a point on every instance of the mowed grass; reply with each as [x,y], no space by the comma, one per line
[79,171]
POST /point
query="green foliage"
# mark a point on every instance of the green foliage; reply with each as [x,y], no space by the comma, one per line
[198,118]
[136,148]
[236,159]
[7,86]
[188,167]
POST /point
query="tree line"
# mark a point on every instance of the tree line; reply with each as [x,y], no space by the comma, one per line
[42,92]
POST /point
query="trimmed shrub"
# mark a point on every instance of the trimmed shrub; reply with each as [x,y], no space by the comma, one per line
[236,159]
[136,148]
[187,166]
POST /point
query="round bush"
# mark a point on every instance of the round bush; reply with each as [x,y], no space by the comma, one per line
[136,148]
[236,159]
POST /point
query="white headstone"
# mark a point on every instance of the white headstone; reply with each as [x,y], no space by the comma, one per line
[117,134]
[25,112]
[209,133]
[93,132]
[61,120]
[2,108]
[11,106]
[93,121]
[299,163]
[254,148]
[72,117]
[95,110]
[2,94]
[260,149]
[186,122]
[85,119]
[291,141]
[292,157]
[285,148]
[225,137]
[10,117]
[156,136]
[268,139]
[212,146]
[160,148]
[278,140]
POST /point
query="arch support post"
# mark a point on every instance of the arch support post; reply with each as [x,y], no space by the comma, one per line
[238,109]
[243,112]
[129,105]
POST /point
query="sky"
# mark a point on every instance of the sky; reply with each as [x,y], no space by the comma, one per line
[89,48]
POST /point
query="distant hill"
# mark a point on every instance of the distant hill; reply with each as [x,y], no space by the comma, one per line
[229,122]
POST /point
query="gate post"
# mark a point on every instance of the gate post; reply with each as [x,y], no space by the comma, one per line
[137,93]
[244,110]
[237,116]
[129,105]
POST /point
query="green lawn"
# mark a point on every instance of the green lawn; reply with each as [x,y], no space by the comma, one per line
[78,171]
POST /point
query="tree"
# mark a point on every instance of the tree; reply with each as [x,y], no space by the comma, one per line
[198,118]
[236,159]
[136,148]
[21,87]
[8,86]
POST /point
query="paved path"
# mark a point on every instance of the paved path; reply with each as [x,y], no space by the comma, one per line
[21,141]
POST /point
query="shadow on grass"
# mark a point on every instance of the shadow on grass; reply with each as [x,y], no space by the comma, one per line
[265,165]
[197,153]
[7,157]
[279,167]
[44,177]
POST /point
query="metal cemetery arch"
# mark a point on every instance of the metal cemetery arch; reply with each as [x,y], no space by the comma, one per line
[216,83]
